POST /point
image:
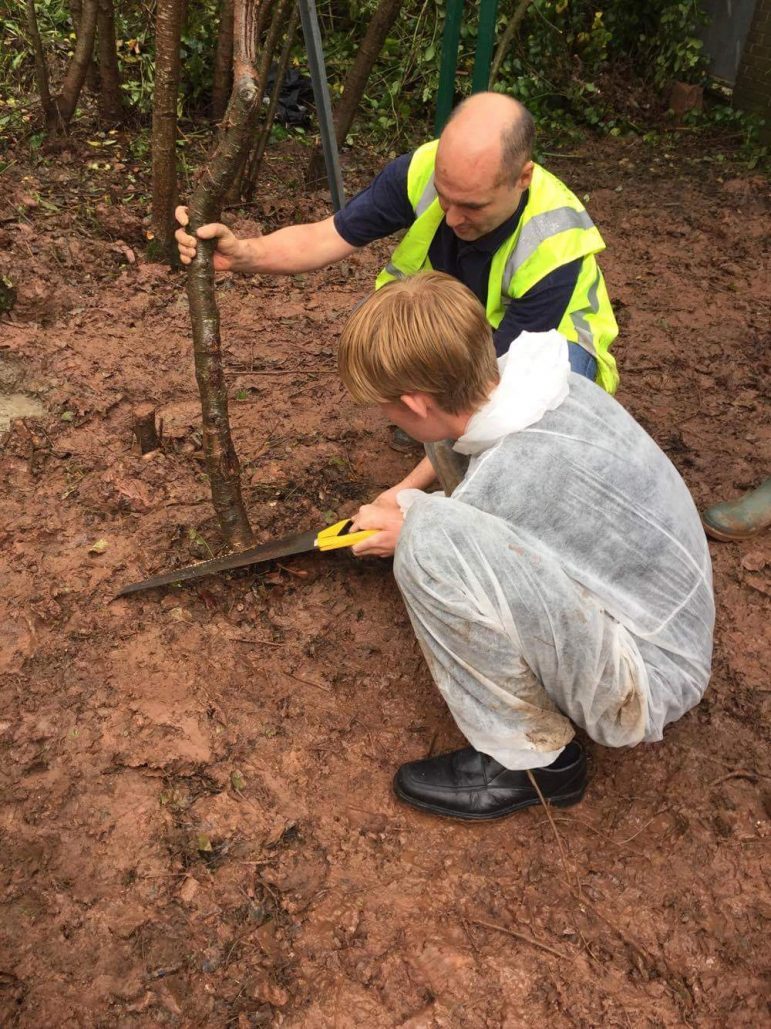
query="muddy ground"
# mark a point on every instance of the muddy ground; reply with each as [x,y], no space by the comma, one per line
[197,822]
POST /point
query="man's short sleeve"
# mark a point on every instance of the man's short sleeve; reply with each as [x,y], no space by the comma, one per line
[380,209]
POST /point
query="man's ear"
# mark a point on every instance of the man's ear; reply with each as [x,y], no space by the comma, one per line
[418,403]
[525,176]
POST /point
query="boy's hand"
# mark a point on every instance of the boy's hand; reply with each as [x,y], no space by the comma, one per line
[226,256]
[385,515]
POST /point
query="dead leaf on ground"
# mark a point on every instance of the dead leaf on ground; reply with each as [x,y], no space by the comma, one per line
[754,561]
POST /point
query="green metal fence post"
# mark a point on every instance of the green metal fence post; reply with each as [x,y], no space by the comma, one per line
[485,38]
[450,40]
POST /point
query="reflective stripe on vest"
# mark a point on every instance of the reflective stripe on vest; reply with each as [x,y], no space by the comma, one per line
[427,197]
[539,228]
[585,336]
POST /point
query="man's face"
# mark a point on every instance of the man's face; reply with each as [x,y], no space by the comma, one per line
[474,199]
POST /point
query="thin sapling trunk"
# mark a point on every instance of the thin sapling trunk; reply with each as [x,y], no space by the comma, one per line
[206,205]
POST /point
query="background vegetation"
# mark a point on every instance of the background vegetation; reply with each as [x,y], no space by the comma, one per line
[603,65]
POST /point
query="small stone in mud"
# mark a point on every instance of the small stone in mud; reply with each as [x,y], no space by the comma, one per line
[272,994]
[257,914]
[179,614]
[18,405]
[188,889]
[212,959]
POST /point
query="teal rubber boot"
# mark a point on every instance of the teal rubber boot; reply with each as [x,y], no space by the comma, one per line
[740,519]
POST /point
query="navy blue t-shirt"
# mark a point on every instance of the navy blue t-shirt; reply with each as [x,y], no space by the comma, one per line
[384,208]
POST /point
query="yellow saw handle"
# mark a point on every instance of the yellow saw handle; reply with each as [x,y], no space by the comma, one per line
[337,536]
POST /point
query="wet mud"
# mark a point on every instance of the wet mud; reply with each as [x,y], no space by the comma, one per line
[196,814]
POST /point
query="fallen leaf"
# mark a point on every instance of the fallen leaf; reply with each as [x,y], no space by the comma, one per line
[99,547]
[755,561]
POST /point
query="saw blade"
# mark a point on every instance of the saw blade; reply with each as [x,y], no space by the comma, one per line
[298,544]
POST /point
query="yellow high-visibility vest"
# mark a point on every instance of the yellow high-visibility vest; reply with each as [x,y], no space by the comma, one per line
[554,230]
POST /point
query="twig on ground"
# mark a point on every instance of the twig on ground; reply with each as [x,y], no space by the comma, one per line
[245,639]
[634,836]
[555,830]
[739,773]
[521,936]
[235,370]
[308,682]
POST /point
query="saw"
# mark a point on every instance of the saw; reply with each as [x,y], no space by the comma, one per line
[331,538]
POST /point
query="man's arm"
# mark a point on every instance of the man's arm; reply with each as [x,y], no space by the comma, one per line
[297,248]
[380,209]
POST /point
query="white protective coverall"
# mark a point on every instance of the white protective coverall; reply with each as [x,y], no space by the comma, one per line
[567,579]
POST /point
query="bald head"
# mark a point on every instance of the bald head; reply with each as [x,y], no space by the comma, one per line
[483,164]
[492,129]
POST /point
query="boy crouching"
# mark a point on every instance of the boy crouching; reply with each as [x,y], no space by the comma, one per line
[566,581]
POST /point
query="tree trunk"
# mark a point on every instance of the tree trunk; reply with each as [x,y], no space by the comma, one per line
[92,75]
[65,103]
[276,25]
[235,139]
[511,29]
[385,15]
[41,70]
[168,30]
[233,194]
[110,101]
[255,161]
[223,62]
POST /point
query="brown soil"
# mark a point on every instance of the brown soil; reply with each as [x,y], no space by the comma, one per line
[198,826]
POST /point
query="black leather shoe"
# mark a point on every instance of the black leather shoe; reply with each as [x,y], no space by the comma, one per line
[471,785]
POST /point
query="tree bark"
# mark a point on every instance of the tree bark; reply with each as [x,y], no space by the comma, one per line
[110,101]
[41,69]
[92,75]
[233,195]
[65,103]
[255,161]
[274,31]
[385,15]
[223,62]
[205,206]
[168,30]
[510,31]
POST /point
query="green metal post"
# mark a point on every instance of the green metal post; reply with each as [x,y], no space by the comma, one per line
[485,38]
[450,40]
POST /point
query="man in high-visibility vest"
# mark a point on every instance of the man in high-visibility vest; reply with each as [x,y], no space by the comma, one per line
[476,206]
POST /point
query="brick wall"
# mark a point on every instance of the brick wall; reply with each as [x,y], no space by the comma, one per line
[753,81]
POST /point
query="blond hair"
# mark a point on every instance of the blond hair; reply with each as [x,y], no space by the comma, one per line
[425,334]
